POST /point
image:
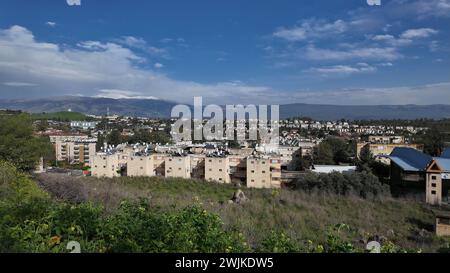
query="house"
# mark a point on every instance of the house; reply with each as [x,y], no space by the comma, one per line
[410,167]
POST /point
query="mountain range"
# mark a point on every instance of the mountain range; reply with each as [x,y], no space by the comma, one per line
[162,109]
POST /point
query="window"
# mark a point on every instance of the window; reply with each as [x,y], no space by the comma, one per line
[264,181]
[433,177]
[142,168]
[179,169]
[210,160]
[433,185]
[210,170]
[170,159]
[433,192]
[220,179]
[263,171]
[220,170]
[253,171]
[253,180]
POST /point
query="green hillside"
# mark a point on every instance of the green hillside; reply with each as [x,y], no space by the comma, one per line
[60,116]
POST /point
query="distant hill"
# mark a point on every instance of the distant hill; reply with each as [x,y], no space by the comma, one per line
[92,106]
[162,109]
[364,112]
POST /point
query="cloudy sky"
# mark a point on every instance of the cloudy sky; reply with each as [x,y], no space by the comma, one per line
[241,51]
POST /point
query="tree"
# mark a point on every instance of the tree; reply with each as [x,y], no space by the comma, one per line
[18,145]
[151,137]
[114,138]
[100,141]
[324,154]
[340,149]
[433,141]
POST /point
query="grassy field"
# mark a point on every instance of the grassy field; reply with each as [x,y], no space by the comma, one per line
[61,116]
[406,222]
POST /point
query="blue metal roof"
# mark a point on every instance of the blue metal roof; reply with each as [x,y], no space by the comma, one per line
[404,164]
[446,153]
[410,159]
[443,163]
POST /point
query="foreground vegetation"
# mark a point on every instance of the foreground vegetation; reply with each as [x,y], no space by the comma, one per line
[272,220]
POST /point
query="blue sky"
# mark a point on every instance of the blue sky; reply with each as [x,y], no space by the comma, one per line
[329,52]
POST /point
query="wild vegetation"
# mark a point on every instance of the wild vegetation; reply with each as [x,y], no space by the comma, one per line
[304,220]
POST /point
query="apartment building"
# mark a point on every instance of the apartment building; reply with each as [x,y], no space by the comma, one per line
[238,168]
[387,139]
[140,166]
[178,166]
[198,166]
[263,172]
[83,124]
[217,169]
[159,164]
[75,151]
[105,165]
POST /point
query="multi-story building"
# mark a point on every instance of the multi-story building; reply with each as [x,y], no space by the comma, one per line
[105,165]
[74,149]
[159,164]
[263,172]
[140,166]
[197,166]
[217,169]
[178,166]
[84,124]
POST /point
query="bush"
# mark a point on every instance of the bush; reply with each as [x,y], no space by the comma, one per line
[364,185]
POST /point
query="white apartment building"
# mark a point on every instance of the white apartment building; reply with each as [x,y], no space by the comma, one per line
[105,165]
[178,166]
[217,169]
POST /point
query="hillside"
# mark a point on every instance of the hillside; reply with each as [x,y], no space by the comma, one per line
[63,116]
[300,215]
[162,109]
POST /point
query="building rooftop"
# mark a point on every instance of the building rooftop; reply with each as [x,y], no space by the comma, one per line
[446,153]
[410,159]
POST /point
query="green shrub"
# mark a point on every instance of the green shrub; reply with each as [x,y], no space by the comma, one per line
[365,185]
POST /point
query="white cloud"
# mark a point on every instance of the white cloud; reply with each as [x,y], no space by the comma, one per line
[19,84]
[141,44]
[311,29]
[391,40]
[158,65]
[73,2]
[122,94]
[51,24]
[418,33]
[92,66]
[342,70]
[365,53]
